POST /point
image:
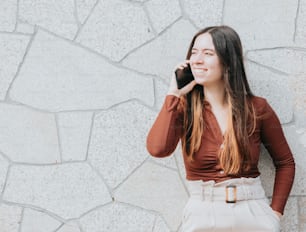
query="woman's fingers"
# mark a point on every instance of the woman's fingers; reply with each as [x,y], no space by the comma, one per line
[183,65]
[187,88]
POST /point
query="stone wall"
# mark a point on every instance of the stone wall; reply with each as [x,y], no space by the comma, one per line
[81,82]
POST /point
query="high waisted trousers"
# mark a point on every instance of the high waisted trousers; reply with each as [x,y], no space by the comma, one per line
[207,210]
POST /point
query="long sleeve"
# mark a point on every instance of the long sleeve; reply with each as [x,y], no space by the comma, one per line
[166,130]
[275,142]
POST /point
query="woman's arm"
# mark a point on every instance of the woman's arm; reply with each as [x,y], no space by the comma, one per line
[168,126]
[275,142]
[166,130]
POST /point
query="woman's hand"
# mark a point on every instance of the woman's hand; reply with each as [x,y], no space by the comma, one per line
[278,214]
[173,90]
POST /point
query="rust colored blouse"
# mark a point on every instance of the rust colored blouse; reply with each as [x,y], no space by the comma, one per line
[166,133]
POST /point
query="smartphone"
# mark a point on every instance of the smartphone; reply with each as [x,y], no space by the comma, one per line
[183,76]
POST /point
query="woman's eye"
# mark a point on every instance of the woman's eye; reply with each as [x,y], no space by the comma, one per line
[208,53]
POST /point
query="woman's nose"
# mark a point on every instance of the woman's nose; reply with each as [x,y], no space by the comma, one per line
[197,60]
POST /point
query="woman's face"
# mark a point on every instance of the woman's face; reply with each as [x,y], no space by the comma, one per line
[205,64]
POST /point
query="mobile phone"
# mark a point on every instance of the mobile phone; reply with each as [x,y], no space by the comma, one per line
[183,76]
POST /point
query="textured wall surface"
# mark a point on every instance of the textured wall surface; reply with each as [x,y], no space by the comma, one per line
[81,82]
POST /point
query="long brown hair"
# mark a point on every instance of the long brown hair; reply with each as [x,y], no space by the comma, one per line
[234,157]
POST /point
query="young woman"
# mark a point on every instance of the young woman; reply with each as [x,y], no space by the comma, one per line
[221,125]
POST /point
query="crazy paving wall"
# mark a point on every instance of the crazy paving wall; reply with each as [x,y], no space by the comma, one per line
[81,82]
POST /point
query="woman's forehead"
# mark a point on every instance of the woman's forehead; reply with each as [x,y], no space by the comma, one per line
[204,41]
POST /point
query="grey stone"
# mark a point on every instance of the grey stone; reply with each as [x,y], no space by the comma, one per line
[300,25]
[289,221]
[70,78]
[155,188]
[262,24]
[161,90]
[160,56]
[25,28]
[287,60]
[74,130]
[55,16]
[67,190]
[298,87]
[126,25]
[28,136]
[118,217]
[38,221]
[294,138]
[167,161]
[160,226]
[69,227]
[8,10]
[300,112]
[4,164]
[302,139]
[274,87]
[302,213]
[83,8]
[10,217]
[141,1]
[118,141]
[204,13]
[12,50]
[267,171]
[163,13]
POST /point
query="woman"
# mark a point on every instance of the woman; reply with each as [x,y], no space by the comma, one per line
[221,125]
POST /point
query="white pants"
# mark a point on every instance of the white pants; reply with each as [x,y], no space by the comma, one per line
[206,209]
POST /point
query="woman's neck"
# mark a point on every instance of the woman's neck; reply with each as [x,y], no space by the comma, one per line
[215,95]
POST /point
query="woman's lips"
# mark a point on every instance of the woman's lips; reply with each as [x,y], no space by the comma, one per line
[199,70]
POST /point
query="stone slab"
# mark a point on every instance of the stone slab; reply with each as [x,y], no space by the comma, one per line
[38,221]
[118,217]
[289,221]
[302,213]
[69,227]
[67,190]
[301,25]
[163,13]
[294,135]
[155,188]
[56,16]
[84,8]
[204,13]
[288,60]
[25,28]
[12,50]
[10,217]
[274,87]
[117,145]
[71,78]
[160,226]
[28,136]
[8,11]
[160,56]
[4,165]
[262,24]
[74,132]
[126,24]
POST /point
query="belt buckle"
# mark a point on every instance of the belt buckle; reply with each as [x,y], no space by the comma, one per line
[231,193]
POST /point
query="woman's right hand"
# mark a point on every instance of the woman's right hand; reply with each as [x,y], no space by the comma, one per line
[173,89]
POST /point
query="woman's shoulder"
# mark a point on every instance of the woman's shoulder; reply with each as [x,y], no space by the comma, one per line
[260,104]
[258,101]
